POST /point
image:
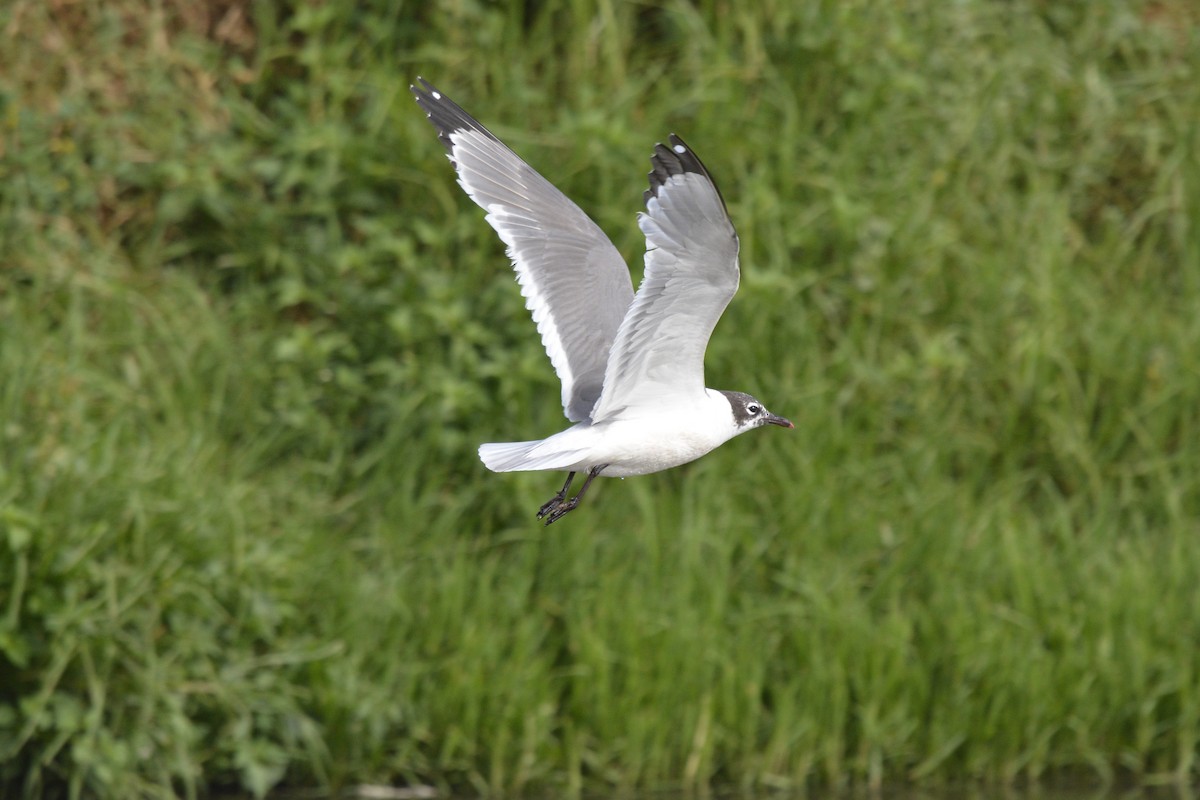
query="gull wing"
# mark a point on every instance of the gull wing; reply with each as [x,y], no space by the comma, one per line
[574,281]
[691,275]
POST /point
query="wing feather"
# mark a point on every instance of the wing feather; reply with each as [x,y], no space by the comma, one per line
[691,275]
[575,283]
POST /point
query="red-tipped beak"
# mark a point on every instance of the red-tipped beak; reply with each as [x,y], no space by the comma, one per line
[780,421]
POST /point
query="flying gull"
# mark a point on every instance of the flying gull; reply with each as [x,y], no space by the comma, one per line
[631,366]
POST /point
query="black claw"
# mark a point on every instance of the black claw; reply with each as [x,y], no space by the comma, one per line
[562,509]
[553,503]
[559,506]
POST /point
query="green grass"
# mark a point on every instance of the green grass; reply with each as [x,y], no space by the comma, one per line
[251,333]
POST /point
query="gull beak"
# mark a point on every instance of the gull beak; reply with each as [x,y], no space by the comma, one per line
[782,422]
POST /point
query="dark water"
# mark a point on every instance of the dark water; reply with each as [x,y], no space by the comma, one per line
[965,792]
[1051,792]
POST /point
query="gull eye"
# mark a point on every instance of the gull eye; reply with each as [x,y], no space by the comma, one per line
[754,408]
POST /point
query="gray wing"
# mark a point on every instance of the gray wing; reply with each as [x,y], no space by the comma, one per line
[691,275]
[574,281]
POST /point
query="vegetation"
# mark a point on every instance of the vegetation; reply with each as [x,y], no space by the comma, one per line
[251,333]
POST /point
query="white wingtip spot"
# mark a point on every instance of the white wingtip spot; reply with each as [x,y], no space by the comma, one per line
[436,95]
[680,148]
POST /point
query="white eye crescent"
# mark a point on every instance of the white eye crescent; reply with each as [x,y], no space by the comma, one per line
[754,408]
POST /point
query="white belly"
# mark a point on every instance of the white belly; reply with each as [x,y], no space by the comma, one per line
[636,442]
[639,446]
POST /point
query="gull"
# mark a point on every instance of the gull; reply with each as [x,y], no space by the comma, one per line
[631,366]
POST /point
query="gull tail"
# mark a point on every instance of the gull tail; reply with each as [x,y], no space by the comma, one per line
[522,456]
[506,456]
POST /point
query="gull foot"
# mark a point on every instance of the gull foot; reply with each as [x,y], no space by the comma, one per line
[550,506]
[561,510]
[559,506]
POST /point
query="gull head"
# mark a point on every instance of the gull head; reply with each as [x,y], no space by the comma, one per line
[749,413]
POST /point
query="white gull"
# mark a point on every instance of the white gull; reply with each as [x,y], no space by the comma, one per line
[631,366]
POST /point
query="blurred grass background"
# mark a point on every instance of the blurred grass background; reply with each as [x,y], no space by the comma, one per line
[251,333]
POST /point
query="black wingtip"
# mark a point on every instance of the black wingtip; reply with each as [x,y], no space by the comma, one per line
[677,159]
[445,114]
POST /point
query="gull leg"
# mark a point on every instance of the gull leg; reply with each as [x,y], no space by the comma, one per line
[556,501]
[563,508]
